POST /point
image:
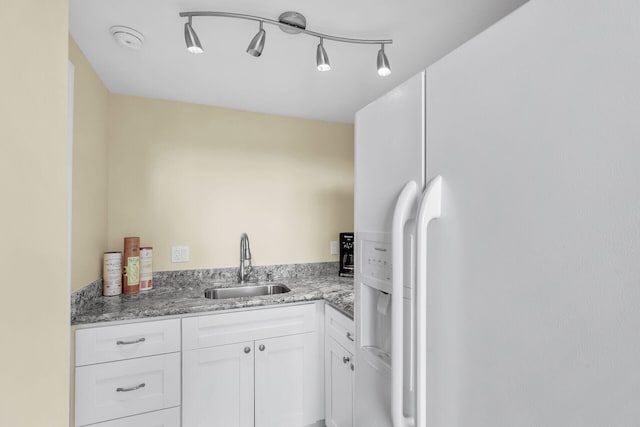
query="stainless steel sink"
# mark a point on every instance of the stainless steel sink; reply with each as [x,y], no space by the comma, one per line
[246,291]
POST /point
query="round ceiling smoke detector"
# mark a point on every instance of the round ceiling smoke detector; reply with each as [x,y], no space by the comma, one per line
[294,20]
[127,37]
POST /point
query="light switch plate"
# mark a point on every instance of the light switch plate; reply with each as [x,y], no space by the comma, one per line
[333,247]
[179,253]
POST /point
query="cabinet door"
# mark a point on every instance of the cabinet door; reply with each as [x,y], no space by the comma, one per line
[217,386]
[338,385]
[289,381]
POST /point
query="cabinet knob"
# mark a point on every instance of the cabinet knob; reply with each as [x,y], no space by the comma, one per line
[352,367]
[247,349]
[345,360]
[261,347]
[350,336]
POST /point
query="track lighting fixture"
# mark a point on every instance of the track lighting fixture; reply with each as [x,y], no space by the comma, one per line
[191,38]
[289,22]
[257,43]
[384,69]
[322,60]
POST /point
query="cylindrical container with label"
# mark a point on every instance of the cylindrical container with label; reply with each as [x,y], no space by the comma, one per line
[112,274]
[146,268]
[131,272]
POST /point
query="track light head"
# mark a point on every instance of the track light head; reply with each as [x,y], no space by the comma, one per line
[384,69]
[257,43]
[191,39]
[322,59]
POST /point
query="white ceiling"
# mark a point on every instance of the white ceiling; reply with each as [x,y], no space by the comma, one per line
[284,80]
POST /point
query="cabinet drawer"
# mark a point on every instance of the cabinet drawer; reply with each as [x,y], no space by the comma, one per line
[128,387]
[339,327]
[164,418]
[229,328]
[110,343]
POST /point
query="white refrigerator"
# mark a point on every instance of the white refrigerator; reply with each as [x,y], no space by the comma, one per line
[531,276]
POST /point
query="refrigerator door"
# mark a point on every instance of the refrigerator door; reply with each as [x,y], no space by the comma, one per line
[534,268]
[389,152]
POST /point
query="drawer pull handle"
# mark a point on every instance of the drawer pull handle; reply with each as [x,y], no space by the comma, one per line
[349,336]
[139,340]
[135,387]
[345,360]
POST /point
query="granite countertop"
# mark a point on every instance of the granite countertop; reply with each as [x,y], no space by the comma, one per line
[175,296]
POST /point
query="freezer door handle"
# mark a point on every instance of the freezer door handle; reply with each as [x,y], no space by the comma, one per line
[430,208]
[401,215]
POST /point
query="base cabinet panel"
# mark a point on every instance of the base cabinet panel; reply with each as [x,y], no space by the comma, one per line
[218,387]
[339,369]
[289,381]
[338,385]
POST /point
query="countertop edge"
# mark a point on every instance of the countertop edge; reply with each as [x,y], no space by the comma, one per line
[181,302]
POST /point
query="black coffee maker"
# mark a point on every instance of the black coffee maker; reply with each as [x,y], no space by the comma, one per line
[346,254]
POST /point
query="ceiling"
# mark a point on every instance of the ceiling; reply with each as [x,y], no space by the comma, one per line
[284,80]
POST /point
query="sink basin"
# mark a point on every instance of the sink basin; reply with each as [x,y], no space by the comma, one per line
[246,291]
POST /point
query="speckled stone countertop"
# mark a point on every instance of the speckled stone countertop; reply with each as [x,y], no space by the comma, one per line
[174,294]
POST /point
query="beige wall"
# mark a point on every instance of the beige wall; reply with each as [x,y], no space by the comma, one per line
[89,229]
[184,174]
[34,308]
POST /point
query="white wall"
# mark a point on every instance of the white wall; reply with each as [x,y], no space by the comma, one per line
[89,171]
[34,308]
[186,174]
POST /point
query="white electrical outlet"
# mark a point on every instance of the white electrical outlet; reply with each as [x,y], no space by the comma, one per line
[333,247]
[179,253]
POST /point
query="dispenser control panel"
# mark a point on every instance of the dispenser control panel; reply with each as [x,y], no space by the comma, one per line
[376,260]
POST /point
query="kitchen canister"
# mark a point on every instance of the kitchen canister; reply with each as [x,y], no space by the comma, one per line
[112,274]
[146,268]
[131,272]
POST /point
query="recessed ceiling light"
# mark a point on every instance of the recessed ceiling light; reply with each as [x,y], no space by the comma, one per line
[127,37]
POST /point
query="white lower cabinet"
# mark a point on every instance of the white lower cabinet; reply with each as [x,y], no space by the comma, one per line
[218,386]
[253,368]
[119,381]
[339,369]
[288,381]
[272,381]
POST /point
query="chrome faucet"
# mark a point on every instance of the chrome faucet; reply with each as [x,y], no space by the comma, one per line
[245,256]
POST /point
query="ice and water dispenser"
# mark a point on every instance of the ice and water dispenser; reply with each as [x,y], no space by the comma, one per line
[375,299]
[375,294]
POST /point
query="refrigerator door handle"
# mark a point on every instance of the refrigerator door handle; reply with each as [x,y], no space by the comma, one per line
[401,215]
[430,208]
